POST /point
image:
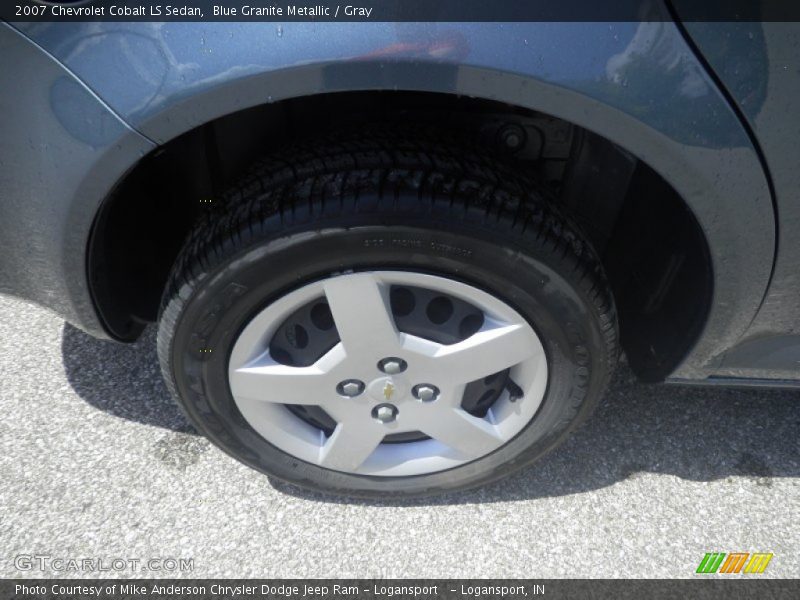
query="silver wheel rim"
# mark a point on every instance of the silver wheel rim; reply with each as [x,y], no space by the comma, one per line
[423,394]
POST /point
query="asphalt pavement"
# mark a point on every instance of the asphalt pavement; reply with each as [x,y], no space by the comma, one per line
[97,463]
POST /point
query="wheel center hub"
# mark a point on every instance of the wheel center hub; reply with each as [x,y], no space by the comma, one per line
[387,389]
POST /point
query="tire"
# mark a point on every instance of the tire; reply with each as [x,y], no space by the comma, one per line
[373,205]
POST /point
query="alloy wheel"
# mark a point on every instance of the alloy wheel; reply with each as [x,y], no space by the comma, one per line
[388,373]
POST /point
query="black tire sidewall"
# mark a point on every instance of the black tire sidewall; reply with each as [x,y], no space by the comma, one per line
[213,310]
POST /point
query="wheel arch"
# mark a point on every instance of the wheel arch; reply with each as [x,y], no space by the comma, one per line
[719,179]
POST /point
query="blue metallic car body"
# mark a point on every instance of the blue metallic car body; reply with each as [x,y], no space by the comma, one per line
[93,98]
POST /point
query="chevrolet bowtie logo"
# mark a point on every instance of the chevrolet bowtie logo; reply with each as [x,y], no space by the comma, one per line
[388,390]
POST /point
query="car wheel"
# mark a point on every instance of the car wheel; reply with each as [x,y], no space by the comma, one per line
[387,314]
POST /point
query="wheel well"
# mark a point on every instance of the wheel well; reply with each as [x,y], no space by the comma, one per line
[652,248]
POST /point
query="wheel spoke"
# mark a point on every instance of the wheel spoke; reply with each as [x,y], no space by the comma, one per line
[486,352]
[280,384]
[350,445]
[464,432]
[360,309]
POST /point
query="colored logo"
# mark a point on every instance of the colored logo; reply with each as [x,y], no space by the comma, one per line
[388,390]
[735,562]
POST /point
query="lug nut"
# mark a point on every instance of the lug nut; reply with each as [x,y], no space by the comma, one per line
[385,413]
[425,392]
[392,365]
[350,388]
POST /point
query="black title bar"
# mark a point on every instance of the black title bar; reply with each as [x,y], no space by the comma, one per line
[397,10]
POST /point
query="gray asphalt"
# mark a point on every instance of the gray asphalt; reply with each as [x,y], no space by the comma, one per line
[97,462]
